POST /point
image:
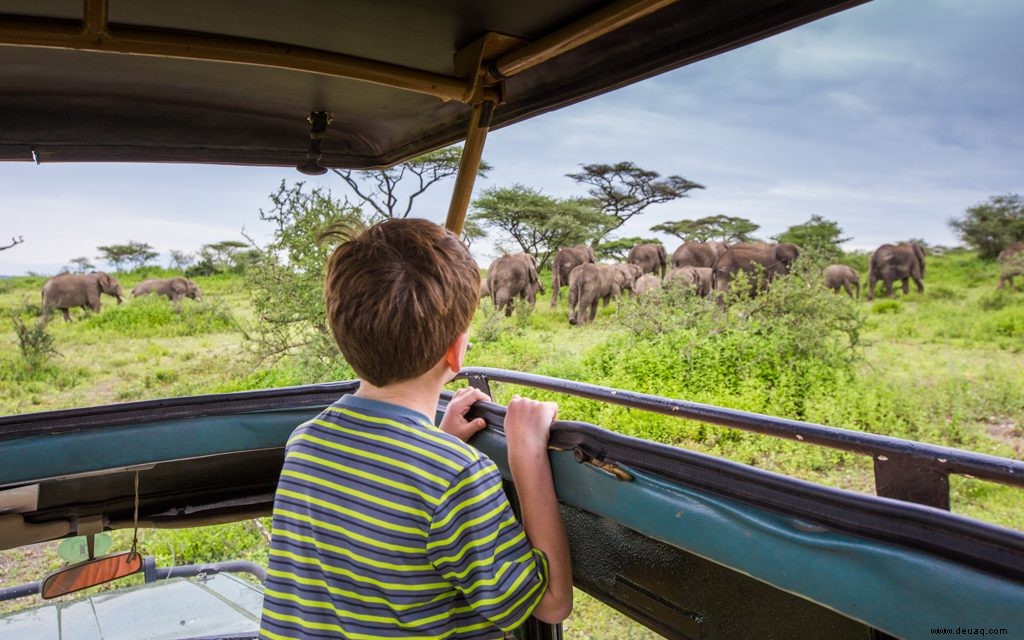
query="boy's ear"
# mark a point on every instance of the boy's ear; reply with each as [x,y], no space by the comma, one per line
[456,352]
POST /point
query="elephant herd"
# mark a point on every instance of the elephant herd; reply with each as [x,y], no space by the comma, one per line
[705,267]
[70,290]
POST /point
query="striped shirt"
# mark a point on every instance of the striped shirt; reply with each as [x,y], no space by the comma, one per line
[386,527]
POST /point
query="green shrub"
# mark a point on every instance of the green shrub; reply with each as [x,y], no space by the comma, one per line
[153,316]
[887,306]
[35,343]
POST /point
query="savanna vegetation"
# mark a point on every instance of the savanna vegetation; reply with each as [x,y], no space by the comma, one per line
[941,367]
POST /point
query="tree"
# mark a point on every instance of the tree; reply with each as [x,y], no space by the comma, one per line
[537,223]
[285,280]
[181,260]
[624,190]
[136,254]
[14,242]
[723,228]
[82,265]
[818,236]
[383,190]
[618,250]
[991,226]
[471,231]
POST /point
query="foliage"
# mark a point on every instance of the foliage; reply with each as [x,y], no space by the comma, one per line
[536,223]
[990,226]
[285,279]
[472,231]
[383,189]
[151,316]
[618,250]
[81,265]
[35,343]
[181,260]
[135,254]
[722,228]
[818,234]
[623,190]
[221,257]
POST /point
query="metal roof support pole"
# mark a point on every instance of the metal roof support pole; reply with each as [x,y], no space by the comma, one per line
[472,152]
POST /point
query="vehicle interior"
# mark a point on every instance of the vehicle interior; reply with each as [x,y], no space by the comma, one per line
[357,85]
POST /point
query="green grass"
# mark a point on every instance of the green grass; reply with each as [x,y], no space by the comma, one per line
[941,367]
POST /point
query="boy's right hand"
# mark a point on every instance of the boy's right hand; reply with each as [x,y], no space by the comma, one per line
[528,422]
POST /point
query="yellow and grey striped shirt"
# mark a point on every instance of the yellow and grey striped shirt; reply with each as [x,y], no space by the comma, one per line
[386,527]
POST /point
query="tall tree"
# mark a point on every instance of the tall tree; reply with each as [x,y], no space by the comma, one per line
[991,226]
[536,223]
[135,254]
[623,190]
[619,249]
[723,228]
[391,192]
[818,235]
[82,265]
[181,260]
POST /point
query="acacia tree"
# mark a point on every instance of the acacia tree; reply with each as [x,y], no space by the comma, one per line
[723,228]
[538,224]
[818,235]
[623,190]
[390,193]
[181,260]
[135,254]
[618,250]
[82,265]
[990,226]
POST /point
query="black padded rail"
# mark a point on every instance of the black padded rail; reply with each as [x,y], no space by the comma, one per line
[64,420]
[904,470]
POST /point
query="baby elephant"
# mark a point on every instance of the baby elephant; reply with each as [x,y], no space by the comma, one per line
[174,288]
[840,275]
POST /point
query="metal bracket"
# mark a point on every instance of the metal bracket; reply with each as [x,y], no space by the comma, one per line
[908,480]
[318,121]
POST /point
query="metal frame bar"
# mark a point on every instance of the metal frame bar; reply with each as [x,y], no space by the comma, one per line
[472,152]
[904,470]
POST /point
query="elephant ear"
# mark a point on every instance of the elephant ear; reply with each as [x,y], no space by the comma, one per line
[786,253]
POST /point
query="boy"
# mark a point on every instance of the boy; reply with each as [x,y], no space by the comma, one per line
[386,526]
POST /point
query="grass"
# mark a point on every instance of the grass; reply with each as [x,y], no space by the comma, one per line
[941,367]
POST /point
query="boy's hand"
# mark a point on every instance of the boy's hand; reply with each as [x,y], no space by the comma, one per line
[454,420]
[528,422]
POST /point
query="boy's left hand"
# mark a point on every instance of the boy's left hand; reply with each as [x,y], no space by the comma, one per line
[454,420]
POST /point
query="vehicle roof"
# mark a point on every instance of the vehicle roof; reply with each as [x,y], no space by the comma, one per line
[233,81]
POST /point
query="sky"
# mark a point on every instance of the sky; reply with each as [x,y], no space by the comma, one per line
[889,118]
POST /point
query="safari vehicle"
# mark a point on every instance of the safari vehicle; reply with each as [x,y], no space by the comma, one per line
[689,545]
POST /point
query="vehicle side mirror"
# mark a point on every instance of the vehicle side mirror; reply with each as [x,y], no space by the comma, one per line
[90,573]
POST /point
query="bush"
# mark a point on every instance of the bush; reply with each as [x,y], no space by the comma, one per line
[35,343]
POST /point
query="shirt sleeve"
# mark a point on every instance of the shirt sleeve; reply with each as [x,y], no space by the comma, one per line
[477,544]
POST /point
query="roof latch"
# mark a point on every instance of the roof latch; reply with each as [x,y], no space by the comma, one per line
[318,122]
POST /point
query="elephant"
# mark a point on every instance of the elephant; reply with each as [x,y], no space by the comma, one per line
[78,290]
[513,276]
[1011,263]
[698,254]
[841,276]
[589,283]
[896,262]
[626,275]
[651,258]
[768,260]
[647,282]
[485,290]
[174,288]
[566,260]
[700,278]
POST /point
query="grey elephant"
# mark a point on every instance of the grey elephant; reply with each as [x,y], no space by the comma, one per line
[647,282]
[589,283]
[78,290]
[698,254]
[173,288]
[650,257]
[513,276]
[700,278]
[626,275]
[762,262]
[896,262]
[841,276]
[567,259]
[1011,263]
